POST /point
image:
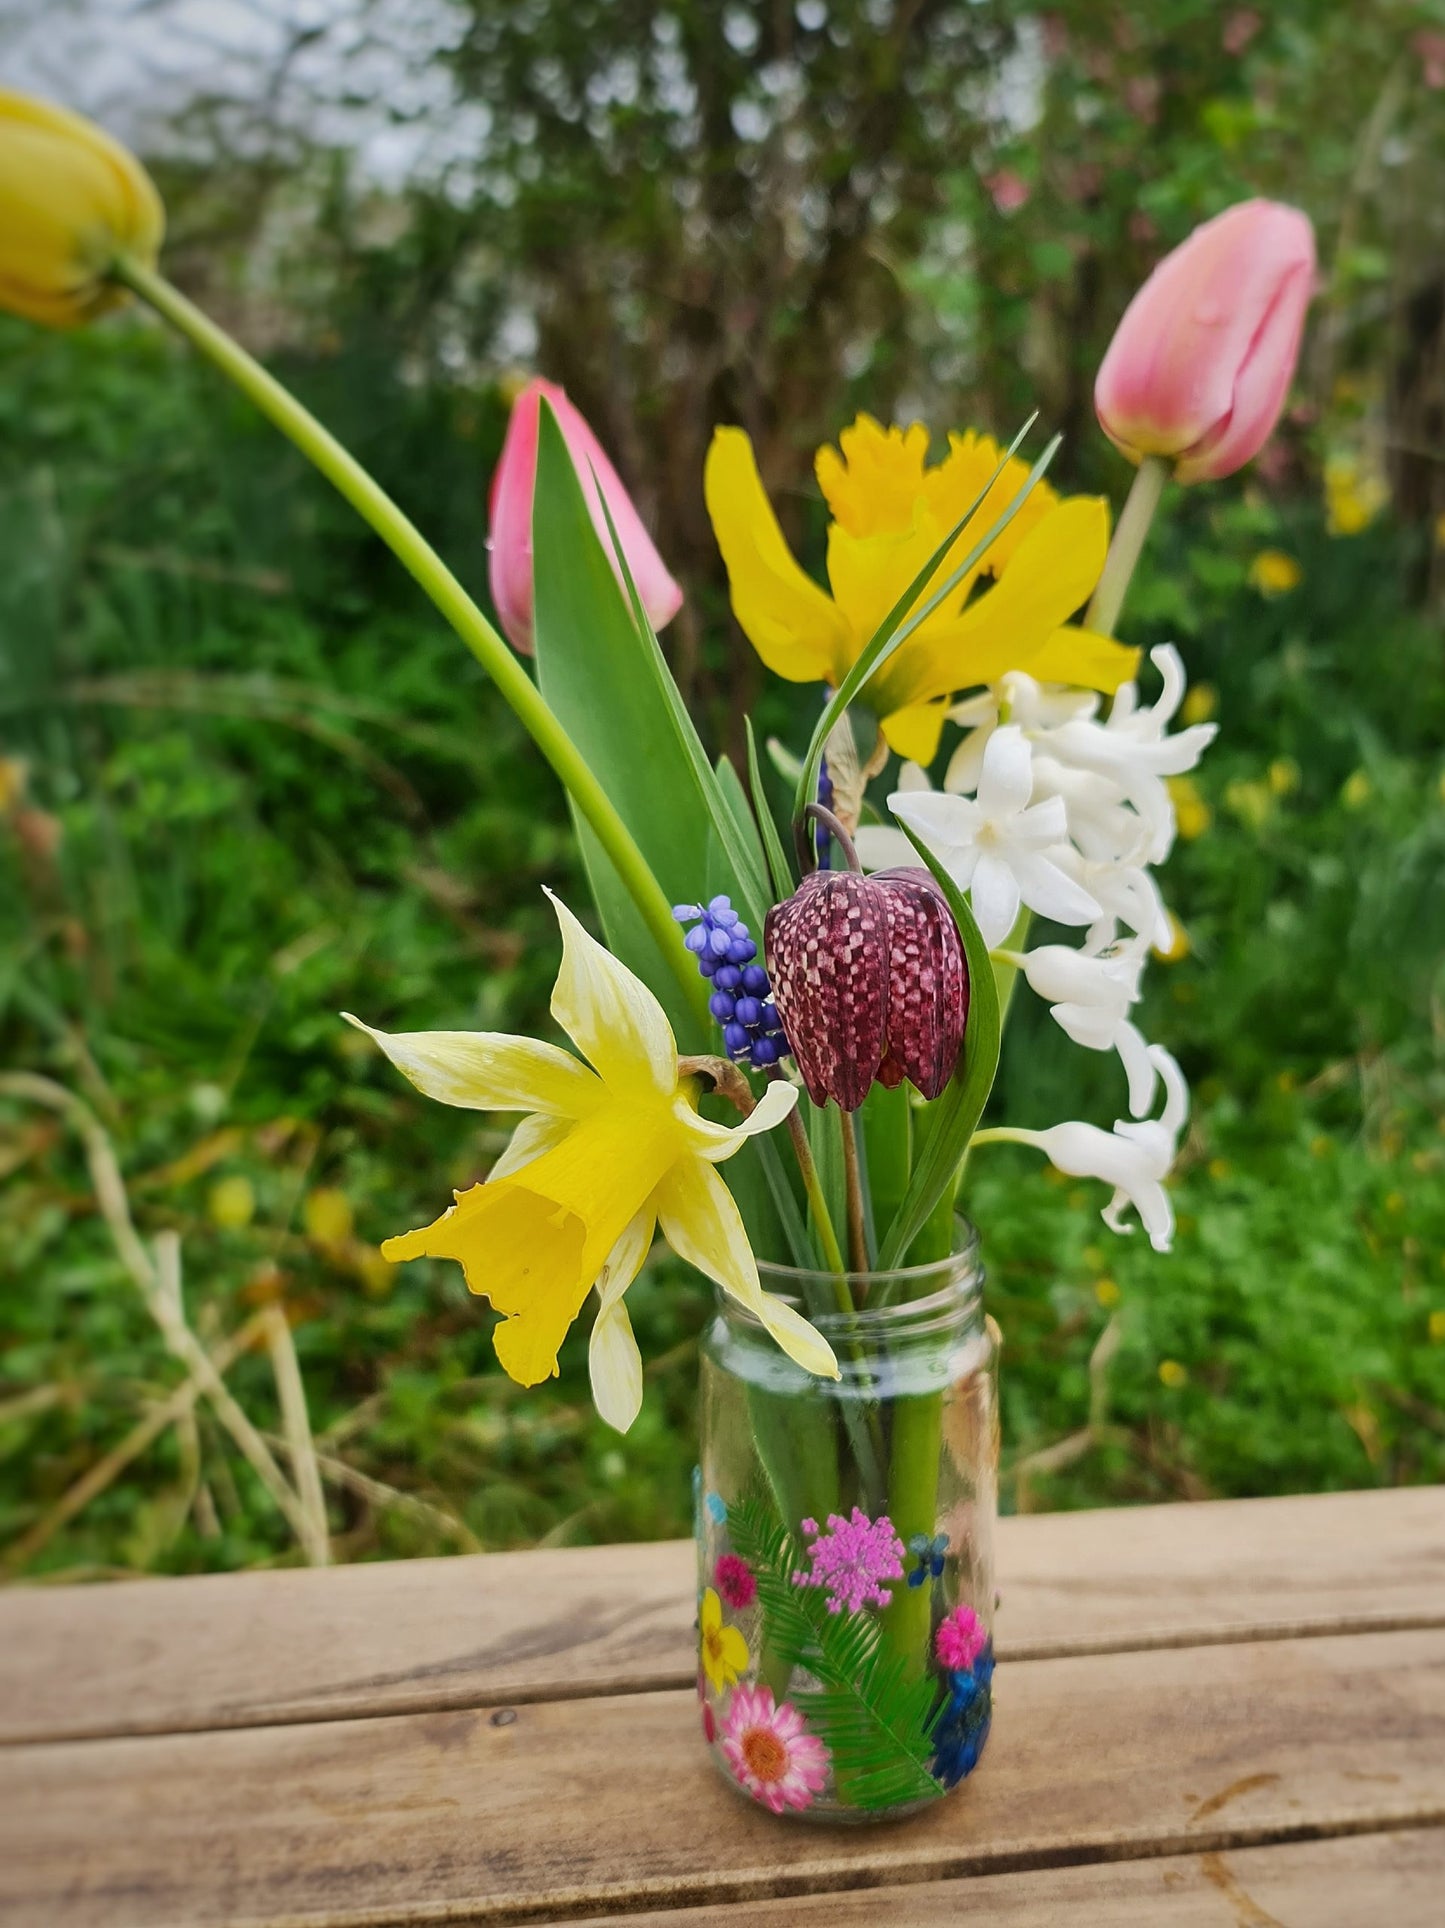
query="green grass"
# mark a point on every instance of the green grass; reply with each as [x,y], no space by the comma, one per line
[280,790]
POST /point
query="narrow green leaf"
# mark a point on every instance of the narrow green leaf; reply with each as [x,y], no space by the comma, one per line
[784,879]
[897,626]
[953,1116]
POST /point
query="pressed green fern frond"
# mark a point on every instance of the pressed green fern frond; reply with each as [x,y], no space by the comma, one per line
[873,1717]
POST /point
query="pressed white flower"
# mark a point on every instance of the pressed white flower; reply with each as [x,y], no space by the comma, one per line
[1134,1157]
[1091,997]
[997,846]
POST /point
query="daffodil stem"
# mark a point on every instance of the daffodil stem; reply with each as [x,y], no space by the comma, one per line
[1128,544]
[818,1206]
[416,554]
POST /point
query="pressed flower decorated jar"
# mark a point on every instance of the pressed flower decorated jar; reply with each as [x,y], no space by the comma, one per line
[845,1544]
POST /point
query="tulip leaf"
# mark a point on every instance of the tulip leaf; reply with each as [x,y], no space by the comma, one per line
[898,625]
[602,671]
[953,1116]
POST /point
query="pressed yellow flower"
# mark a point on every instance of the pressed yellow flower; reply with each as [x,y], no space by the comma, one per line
[1273,573]
[890,512]
[72,202]
[608,1150]
[724,1651]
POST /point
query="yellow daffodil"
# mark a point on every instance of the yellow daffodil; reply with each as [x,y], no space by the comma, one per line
[72,202]
[607,1150]
[890,512]
[724,1651]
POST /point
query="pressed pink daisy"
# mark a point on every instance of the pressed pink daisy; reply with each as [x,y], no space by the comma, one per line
[852,1559]
[770,1750]
[960,1639]
[733,1578]
[709,1725]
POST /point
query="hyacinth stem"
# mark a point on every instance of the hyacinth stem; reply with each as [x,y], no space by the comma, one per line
[1128,544]
[416,554]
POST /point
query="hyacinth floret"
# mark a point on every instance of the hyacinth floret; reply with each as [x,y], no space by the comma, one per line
[742,995]
[852,1559]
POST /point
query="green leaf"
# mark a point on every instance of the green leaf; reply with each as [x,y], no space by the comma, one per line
[893,632]
[604,674]
[953,1116]
[783,876]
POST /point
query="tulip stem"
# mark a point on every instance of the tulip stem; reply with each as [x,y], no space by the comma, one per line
[1128,544]
[416,554]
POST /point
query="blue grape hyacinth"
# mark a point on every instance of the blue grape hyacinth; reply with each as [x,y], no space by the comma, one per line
[742,997]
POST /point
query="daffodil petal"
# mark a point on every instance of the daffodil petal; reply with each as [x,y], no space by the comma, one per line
[702,1224]
[532,1137]
[1051,574]
[914,732]
[1081,656]
[614,1361]
[490,1071]
[610,1015]
[792,623]
[716,1143]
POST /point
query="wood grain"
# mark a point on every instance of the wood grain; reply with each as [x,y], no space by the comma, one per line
[172,1656]
[586,1806]
[1394,1879]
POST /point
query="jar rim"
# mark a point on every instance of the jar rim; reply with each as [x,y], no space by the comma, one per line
[958,1292]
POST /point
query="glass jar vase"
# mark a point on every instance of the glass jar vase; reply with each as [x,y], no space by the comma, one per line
[845,1543]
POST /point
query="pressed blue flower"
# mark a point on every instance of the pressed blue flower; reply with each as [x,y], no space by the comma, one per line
[741,1000]
[717,1510]
[929,1554]
[961,1724]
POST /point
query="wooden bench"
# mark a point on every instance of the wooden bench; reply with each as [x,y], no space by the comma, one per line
[1228,1714]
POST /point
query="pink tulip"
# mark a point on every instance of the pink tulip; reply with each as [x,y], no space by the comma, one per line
[1199,367]
[513,486]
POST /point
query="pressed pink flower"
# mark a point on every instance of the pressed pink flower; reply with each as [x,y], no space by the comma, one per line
[733,1578]
[513,486]
[1200,364]
[770,1750]
[852,1559]
[709,1724]
[960,1640]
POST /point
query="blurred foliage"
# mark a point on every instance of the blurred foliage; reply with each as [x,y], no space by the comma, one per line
[247,781]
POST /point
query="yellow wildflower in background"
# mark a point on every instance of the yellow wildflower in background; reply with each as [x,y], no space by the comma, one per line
[1191,813]
[72,202]
[1283,776]
[890,511]
[1437,1326]
[1356,790]
[607,1151]
[1273,573]
[1354,495]
[1178,946]
[1172,1374]
[1200,703]
[231,1203]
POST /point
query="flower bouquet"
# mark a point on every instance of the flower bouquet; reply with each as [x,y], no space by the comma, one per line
[785,1038]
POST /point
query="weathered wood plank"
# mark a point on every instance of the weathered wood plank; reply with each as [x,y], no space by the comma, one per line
[163,1656]
[588,1805]
[1396,1879]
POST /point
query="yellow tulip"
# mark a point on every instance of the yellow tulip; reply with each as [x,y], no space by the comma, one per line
[608,1150]
[890,513]
[72,202]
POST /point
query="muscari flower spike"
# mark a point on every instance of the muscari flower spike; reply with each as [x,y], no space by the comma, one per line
[742,999]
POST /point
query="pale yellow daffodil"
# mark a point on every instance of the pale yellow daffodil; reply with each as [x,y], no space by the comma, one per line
[72,202]
[890,512]
[607,1151]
